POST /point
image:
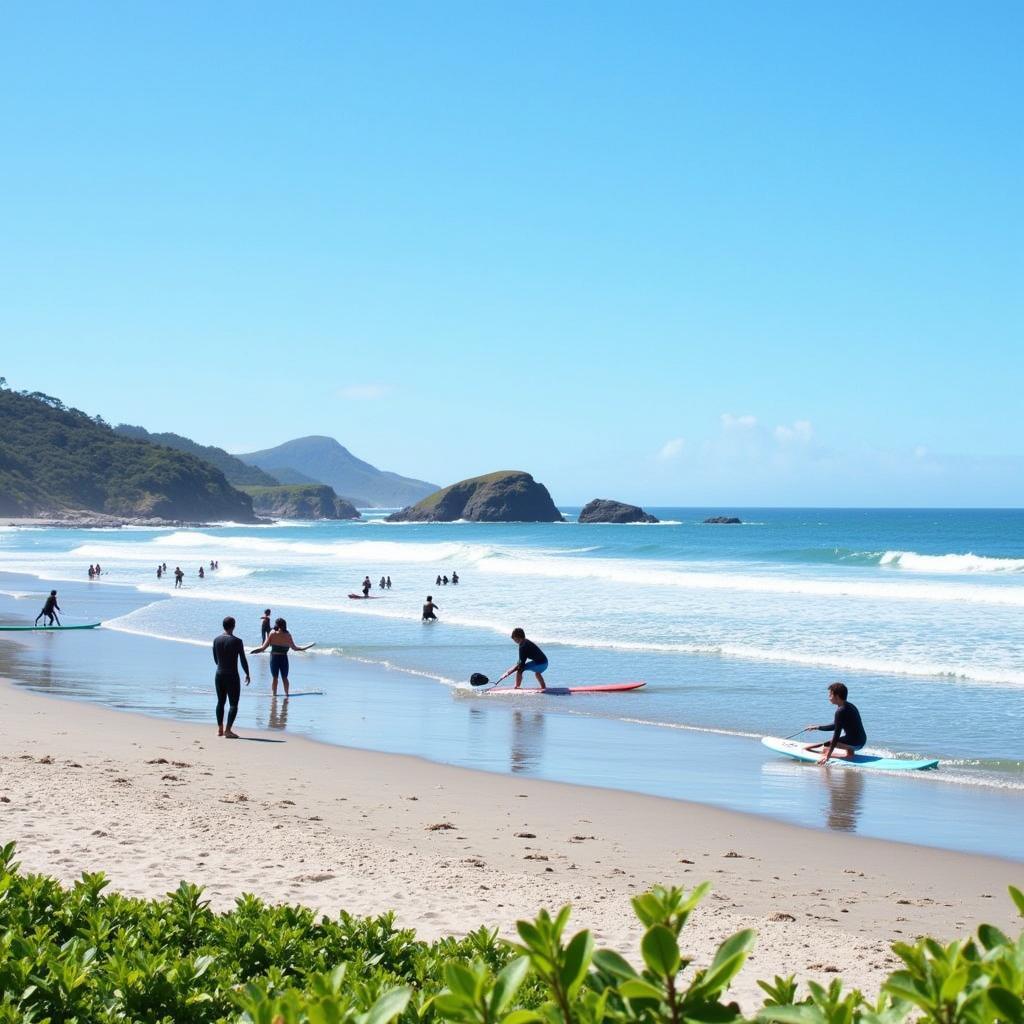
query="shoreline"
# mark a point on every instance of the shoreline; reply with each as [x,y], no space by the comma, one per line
[153,801]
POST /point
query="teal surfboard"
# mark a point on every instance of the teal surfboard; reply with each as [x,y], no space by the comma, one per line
[44,629]
[791,748]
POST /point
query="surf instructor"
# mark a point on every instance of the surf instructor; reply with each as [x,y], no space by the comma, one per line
[848,735]
[228,650]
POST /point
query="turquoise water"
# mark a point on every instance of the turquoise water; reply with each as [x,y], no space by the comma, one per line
[736,629]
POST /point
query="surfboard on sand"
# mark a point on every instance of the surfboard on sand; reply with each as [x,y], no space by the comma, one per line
[47,629]
[560,691]
[791,748]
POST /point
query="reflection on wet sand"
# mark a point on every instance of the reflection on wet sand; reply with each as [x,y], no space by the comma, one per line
[527,745]
[278,717]
[845,797]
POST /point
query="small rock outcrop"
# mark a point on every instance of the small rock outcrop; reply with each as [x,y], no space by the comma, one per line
[604,510]
[508,496]
[724,520]
[300,501]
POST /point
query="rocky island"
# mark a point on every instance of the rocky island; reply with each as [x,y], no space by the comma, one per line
[508,496]
[300,501]
[724,520]
[604,510]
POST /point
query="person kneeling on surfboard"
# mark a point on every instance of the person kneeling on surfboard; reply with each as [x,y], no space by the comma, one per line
[847,729]
[531,659]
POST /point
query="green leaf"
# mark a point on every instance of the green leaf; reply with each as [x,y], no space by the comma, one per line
[610,961]
[522,1017]
[638,988]
[1018,898]
[660,951]
[389,1006]
[576,962]
[507,984]
[1009,1006]
[728,960]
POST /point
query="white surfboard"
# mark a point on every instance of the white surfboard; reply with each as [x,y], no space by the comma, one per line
[793,748]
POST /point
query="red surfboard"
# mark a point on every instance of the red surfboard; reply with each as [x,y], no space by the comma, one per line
[562,691]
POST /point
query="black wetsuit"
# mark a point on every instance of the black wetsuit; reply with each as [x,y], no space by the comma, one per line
[49,608]
[531,654]
[428,611]
[228,650]
[847,727]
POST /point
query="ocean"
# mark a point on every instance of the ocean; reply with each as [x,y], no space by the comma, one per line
[737,631]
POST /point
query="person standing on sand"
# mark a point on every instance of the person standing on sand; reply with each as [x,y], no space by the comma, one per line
[178,576]
[228,650]
[264,626]
[50,609]
[280,642]
[847,729]
[428,610]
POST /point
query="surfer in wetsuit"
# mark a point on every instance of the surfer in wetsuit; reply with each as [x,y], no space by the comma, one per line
[280,642]
[178,576]
[228,650]
[366,586]
[847,729]
[531,659]
[50,609]
[428,610]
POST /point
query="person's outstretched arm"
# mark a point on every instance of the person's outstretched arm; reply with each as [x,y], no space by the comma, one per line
[260,650]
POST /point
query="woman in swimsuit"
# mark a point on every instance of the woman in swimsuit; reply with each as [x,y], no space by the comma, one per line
[280,642]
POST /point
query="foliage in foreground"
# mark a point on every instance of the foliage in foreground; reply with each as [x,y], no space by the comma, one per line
[80,955]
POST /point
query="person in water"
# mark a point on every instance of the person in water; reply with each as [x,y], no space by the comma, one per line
[228,651]
[455,578]
[847,729]
[387,583]
[383,583]
[264,625]
[202,575]
[366,586]
[531,659]
[280,642]
[50,609]
[428,610]
[159,572]
[437,582]
[178,576]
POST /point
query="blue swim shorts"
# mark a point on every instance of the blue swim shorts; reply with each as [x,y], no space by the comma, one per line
[535,666]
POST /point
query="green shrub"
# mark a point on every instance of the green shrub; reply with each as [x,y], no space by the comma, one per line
[79,955]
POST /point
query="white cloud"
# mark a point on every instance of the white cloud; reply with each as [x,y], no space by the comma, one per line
[730,422]
[364,392]
[800,432]
[672,449]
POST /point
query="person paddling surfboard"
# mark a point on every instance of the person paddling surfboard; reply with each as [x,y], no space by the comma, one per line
[848,735]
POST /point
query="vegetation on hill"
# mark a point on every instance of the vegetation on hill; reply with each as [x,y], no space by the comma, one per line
[237,472]
[507,496]
[80,955]
[54,459]
[302,501]
[324,460]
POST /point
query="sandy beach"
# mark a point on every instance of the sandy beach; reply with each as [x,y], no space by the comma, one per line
[151,802]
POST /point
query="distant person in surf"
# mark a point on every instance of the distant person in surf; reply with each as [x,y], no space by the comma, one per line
[437,582]
[387,583]
[264,625]
[50,609]
[159,572]
[92,571]
[455,578]
[280,642]
[848,735]
[178,576]
[202,575]
[531,659]
[428,610]
[98,570]
[228,651]
[366,586]
[444,580]
[383,583]
[213,565]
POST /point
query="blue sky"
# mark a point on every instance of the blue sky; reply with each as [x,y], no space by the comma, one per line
[684,253]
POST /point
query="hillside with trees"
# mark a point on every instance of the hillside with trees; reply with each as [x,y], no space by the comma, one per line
[55,459]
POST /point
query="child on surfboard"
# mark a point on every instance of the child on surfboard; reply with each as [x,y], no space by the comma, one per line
[531,659]
[848,735]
